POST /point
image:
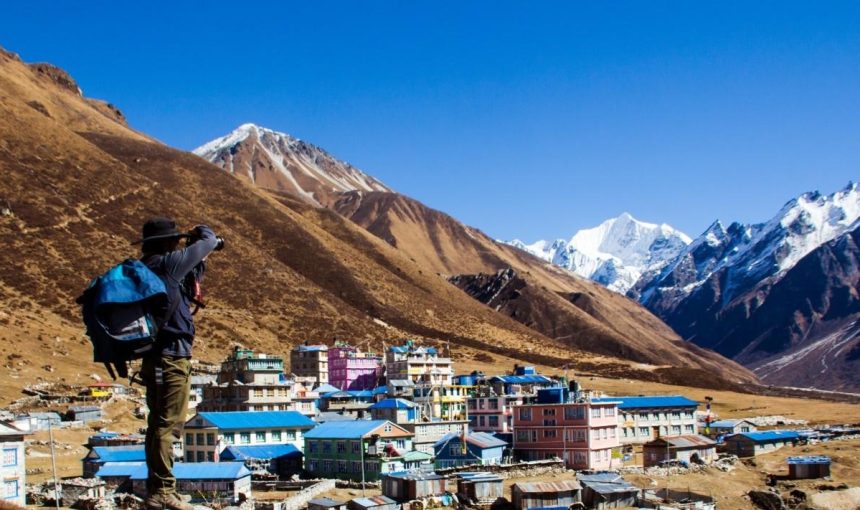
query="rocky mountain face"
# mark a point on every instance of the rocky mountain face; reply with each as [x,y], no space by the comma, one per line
[78,184]
[279,162]
[615,253]
[775,296]
[561,315]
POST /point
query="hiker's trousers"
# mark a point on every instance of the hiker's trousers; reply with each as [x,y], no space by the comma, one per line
[168,385]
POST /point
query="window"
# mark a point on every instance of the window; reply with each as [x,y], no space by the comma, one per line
[290,435]
[523,436]
[549,433]
[676,429]
[210,456]
[688,429]
[574,413]
[595,433]
[745,429]
[312,446]
[200,438]
[525,414]
[260,436]
[10,489]
[258,393]
[643,416]
[676,415]
[493,403]
[549,423]
[356,447]
[276,436]
[643,431]
[356,466]
[189,456]
[609,412]
[341,447]
[371,467]
[229,437]
[481,420]
[493,421]
[579,457]
[387,427]
[549,412]
[189,438]
[210,438]
[595,412]
[471,404]
[341,466]
[455,450]
[312,465]
[401,443]
[201,456]
[326,447]
[244,437]
[327,466]
[612,433]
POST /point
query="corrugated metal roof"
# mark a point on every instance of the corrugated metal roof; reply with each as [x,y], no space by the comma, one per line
[630,402]
[769,435]
[479,439]
[416,456]
[374,501]
[479,476]
[809,459]
[606,483]
[120,469]
[347,429]
[127,453]
[724,424]
[260,451]
[326,388]
[202,471]
[327,502]
[380,390]
[543,487]
[393,403]
[523,379]
[233,420]
[312,348]
[687,441]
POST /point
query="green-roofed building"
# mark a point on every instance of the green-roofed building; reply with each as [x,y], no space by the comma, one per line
[342,449]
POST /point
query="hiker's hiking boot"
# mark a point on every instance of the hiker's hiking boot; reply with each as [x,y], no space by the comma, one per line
[170,501]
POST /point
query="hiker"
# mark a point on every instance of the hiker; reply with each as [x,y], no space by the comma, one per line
[166,371]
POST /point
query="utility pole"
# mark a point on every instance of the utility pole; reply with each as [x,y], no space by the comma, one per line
[54,467]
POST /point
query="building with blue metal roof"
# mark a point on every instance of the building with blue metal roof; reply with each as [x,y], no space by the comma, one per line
[203,480]
[206,434]
[750,444]
[478,448]
[352,449]
[397,410]
[278,459]
[645,418]
[99,455]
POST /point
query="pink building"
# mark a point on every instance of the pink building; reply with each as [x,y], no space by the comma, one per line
[493,413]
[351,369]
[583,434]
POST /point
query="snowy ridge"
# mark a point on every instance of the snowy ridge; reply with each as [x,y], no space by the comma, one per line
[615,253]
[758,251]
[304,168]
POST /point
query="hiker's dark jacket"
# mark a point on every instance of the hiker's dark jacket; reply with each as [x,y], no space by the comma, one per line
[177,334]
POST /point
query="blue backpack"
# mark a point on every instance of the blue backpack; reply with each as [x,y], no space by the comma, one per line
[120,311]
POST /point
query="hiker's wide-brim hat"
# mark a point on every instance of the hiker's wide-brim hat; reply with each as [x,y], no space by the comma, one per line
[159,228]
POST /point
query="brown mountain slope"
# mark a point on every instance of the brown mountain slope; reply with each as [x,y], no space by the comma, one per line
[554,302]
[76,186]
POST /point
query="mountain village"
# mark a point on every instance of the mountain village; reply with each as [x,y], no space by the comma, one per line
[403,430]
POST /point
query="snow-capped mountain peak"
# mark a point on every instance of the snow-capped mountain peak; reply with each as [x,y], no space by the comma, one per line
[614,253]
[276,160]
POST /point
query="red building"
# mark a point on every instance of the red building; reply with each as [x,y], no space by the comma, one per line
[583,434]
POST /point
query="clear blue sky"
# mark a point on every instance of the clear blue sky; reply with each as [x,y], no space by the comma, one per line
[529,119]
